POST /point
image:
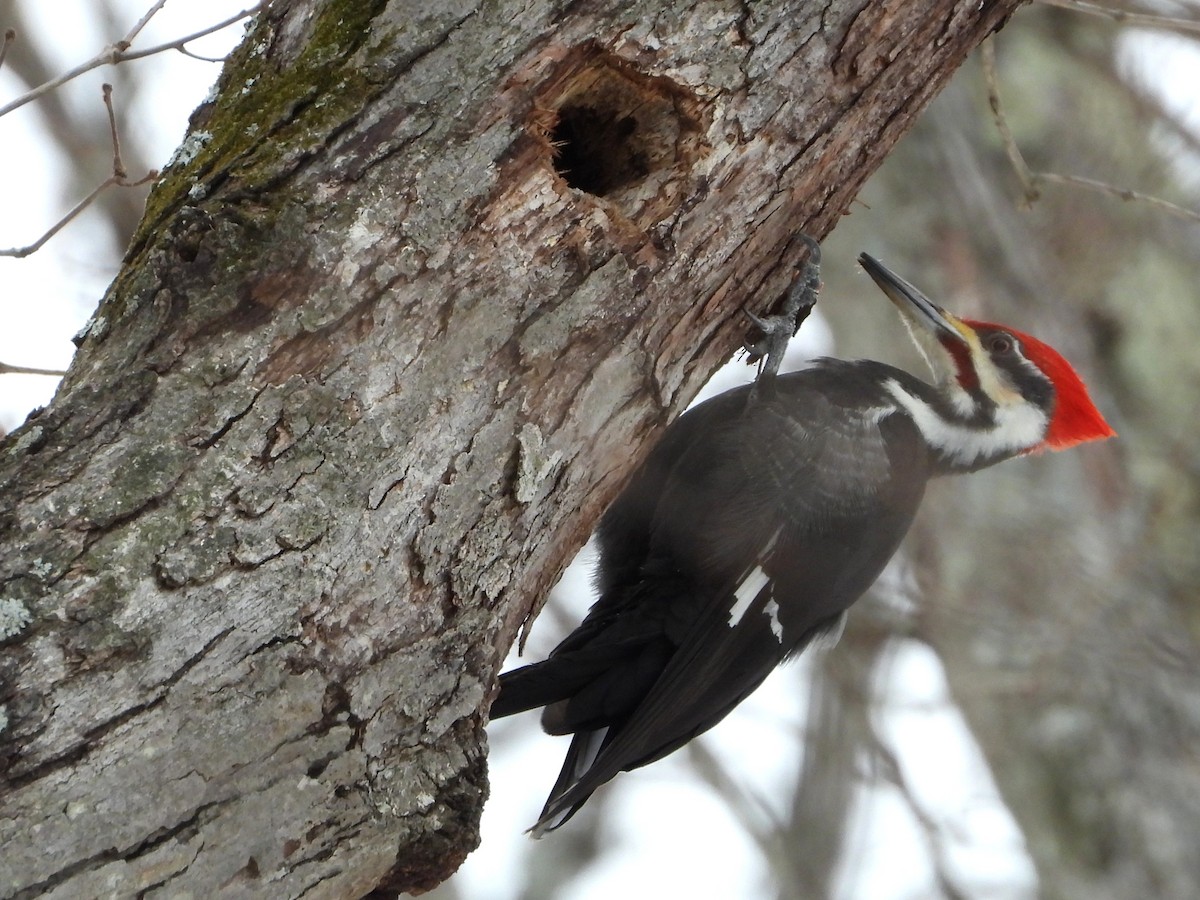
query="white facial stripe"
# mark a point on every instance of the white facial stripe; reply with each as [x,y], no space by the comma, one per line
[1028,365]
[924,342]
[963,403]
[1017,427]
[990,379]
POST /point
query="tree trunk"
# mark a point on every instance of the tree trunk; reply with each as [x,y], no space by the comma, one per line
[418,290]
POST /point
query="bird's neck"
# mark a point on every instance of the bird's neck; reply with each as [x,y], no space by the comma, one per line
[966,431]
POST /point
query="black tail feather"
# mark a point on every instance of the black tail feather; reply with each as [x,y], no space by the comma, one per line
[585,747]
[520,690]
[540,684]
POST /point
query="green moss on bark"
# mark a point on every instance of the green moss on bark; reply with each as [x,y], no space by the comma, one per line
[264,119]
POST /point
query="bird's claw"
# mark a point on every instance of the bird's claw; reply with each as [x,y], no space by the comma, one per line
[778,330]
[768,350]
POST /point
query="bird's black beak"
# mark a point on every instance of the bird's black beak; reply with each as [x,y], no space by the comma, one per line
[916,308]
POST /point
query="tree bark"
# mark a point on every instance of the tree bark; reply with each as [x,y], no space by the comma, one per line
[418,290]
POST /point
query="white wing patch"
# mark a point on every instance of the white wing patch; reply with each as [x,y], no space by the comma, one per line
[750,587]
[772,612]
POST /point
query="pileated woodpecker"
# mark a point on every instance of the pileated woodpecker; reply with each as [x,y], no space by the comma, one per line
[763,514]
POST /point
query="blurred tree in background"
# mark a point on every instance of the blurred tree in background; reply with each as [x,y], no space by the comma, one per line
[81,132]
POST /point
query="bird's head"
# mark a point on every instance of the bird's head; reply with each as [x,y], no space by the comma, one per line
[997,372]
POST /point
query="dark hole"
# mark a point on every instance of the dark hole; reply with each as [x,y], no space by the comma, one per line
[597,150]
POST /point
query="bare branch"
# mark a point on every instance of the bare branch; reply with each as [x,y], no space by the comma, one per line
[209,59]
[7,369]
[142,22]
[179,43]
[118,163]
[1031,181]
[118,52]
[1120,193]
[750,809]
[1124,17]
[119,178]
[29,249]
[22,252]
[988,57]
[10,35]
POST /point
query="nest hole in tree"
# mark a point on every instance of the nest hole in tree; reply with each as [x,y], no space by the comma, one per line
[620,134]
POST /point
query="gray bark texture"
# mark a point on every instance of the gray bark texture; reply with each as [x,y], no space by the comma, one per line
[421,286]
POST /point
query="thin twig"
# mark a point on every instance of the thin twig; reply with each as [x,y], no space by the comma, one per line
[118,163]
[7,369]
[988,57]
[10,35]
[22,252]
[119,53]
[118,178]
[143,21]
[192,54]
[179,43]
[1124,17]
[1119,192]
[1031,181]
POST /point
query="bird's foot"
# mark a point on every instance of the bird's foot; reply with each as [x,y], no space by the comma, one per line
[777,330]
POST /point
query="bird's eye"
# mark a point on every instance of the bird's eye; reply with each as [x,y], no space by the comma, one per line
[1000,344]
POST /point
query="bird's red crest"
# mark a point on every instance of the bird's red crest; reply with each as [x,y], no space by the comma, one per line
[1075,419]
